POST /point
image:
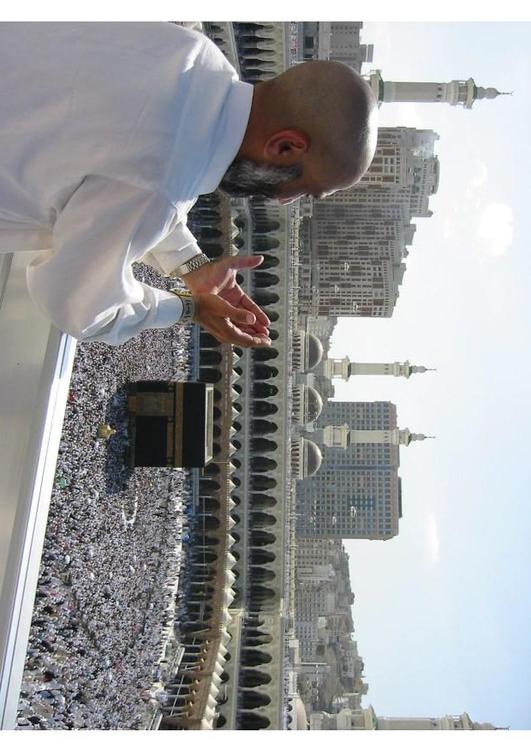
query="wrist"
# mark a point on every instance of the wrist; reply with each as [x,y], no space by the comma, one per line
[189,307]
[190,266]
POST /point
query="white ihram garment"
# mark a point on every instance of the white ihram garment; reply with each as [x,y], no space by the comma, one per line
[108,134]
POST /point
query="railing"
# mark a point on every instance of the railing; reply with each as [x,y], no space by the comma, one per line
[35,369]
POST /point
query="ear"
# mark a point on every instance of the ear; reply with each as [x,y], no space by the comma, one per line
[286,146]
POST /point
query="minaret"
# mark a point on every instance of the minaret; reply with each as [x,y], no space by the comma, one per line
[464,93]
[341,436]
[344,368]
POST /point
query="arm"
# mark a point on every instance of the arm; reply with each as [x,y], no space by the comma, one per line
[177,248]
[85,285]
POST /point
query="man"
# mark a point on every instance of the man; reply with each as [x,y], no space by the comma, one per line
[110,132]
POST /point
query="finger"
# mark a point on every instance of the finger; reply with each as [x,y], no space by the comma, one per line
[226,333]
[257,329]
[249,304]
[237,314]
[263,336]
[233,335]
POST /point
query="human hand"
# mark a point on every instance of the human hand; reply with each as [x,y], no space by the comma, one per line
[219,278]
[227,323]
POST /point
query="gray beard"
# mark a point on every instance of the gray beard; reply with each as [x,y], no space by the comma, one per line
[244,178]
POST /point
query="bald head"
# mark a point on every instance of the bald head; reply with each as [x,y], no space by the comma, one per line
[312,130]
[334,106]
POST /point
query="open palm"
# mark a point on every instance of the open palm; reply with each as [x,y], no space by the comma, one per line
[219,277]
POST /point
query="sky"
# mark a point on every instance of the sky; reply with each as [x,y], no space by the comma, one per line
[443,611]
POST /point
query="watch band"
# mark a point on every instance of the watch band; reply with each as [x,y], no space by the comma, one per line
[188,306]
[190,265]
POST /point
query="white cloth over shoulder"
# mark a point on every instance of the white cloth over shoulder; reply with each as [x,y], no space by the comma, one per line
[108,134]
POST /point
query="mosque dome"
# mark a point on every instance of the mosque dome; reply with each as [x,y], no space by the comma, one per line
[313,404]
[312,457]
[307,404]
[307,351]
[306,458]
[314,351]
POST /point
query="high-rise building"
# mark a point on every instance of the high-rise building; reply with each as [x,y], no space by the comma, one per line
[355,242]
[356,492]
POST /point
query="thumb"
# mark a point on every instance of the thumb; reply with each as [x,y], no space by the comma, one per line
[246,261]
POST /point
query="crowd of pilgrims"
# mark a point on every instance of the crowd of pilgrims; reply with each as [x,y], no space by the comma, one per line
[106,595]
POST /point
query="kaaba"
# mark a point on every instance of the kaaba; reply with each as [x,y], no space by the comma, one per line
[170,423]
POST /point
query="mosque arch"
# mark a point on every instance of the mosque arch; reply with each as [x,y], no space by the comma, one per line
[264,226]
[253,721]
[265,354]
[208,522]
[207,233]
[254,699]
[263,279]
[253,678]
[263,408]
[261,592]
[210,357]
[264,298]
[208,375]
[263,427]
[208,485]
[262,575]
[260,482]
[259,538]
[262,464]
[264,372]
[252,657]
[263,245]
[261,501]
[254,621]
[264,390]
[261,519]
[263,445]
[211,469]
[270,261]
[207,504]
[261,556]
